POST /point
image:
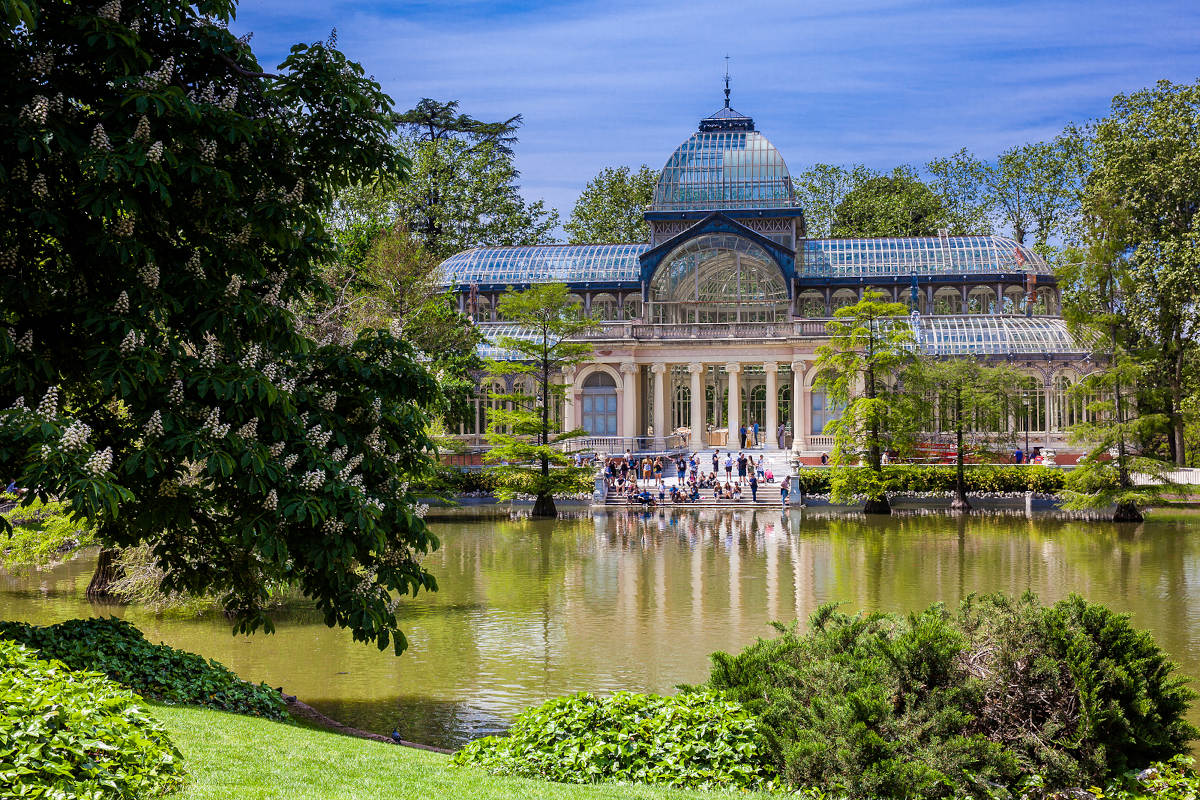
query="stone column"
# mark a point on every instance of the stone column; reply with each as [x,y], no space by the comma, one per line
[629,376]
[771,369]
[734,369]
[800,408]
[697,373]
[1051,412]
[569,420]
[660,403]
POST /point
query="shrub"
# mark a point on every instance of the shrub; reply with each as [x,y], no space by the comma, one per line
[155,671]
[42,533]
[698,740]
[67,735]
[940,478]
[936,704]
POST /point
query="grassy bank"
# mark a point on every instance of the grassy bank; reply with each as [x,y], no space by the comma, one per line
[252,759]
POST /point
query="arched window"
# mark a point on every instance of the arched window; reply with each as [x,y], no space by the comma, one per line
[599,398]
[947,300]
[491,396]
[811,304]
[718,278]
[756,408]
[1014,300]
[632,307]
[823,411]
[604,306]
[906,297]
[785,400]
[1047,301]
[842,298]
[577,301]
[1030,411]
[981,300]
[483,310]
[681,407]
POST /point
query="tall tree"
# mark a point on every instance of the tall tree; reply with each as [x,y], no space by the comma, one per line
[959,181]
[610,209]
[462,191]
[525,436]
[972,404]
[162,218]
[1115,428]
[871,346]
[1146,163]
[890,205]
[821,188]
[1035,188]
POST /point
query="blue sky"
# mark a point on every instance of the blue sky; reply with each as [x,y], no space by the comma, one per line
[883,82]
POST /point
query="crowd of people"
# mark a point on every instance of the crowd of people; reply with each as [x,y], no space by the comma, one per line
[642,479]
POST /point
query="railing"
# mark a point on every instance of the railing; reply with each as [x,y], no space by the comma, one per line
[809,328]
[616,445]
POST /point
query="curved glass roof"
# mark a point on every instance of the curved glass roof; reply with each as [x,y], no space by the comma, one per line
[544,264]
[992,334]
[924,255]
[491,330]
[724,169]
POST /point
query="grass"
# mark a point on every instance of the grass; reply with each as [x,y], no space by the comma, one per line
[228,755]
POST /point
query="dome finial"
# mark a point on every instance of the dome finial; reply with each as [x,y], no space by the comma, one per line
[727,81]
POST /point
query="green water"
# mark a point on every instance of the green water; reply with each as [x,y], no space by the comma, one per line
[528,610]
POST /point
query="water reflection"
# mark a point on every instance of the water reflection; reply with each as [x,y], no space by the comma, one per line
[530,609]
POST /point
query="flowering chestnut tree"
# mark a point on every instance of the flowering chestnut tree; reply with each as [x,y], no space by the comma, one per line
[160,231]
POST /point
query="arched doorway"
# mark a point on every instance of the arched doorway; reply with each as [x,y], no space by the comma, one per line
[599,397]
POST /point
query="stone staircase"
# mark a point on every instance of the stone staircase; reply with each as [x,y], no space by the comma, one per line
[774,460]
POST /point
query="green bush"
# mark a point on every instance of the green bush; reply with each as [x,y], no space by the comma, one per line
[42,533]
[698,740]
[936,704]
[67,735]
[940,478]
[157,672]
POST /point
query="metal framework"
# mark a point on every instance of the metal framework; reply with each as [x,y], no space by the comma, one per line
[587,263]
[724,169]
[993,334]
[924,255]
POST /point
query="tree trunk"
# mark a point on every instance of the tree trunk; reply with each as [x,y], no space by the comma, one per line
[107,572]
[544,506]
[1127,512]
[877,505]
[960,481]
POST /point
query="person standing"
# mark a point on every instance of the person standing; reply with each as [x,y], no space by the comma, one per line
[742,436]
[716,461]
[1018,456]
[779,434]
[755,428]
[753,488]
[741,467]
[728,466]
[783,490]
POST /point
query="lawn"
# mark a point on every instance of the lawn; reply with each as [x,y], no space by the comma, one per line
[228,755]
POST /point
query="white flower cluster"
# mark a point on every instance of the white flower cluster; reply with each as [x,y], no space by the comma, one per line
[19,171]
[99,462]
[36,111]
[269,371]
[333,527]
[175,394]
[376,409]
[318,437]
[43,62]
[272,501]
[253,354]
[288,385]
[59,101]
[290,461]
[229,100]
[296,194]
[76,435]
[312,480]
[351,465]
[271,298]
[123,227]
[396,328]
[162,75]
[39,185]
[99,139]
[329,401]
[148,272]
[276,449]
[154,154]
[339,454]
[212,351]
[122,304]
[213,424]
[132,341]
[374,441]
[19,404]
[243,236]
[110,11]
[193,265]
[48,408]
[208,150]
[235,286]
[142,132]
[154,427]
[25,343]
[8,258]
[375,503]
[249,431]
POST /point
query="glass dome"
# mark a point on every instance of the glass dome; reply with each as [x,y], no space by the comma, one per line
[725,165]
[718,278]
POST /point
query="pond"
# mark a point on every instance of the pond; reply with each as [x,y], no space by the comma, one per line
[528,610]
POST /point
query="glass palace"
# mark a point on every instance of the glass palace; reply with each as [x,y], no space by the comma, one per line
[714,322]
